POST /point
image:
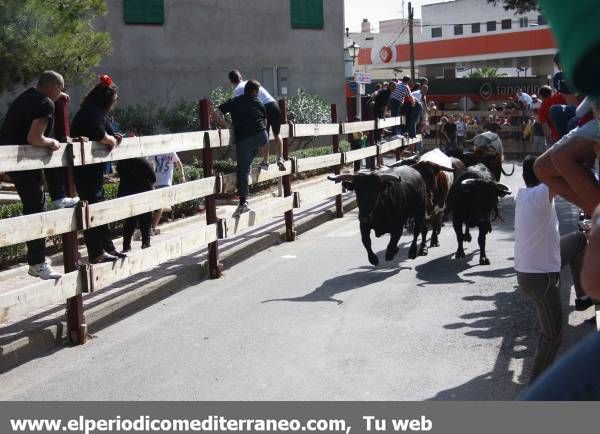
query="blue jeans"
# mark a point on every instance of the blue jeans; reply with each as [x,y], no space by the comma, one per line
[561,115]
[246,151]
[395,107]
[574,377]
[413,119]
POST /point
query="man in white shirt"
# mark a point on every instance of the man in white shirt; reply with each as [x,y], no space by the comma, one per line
[524,99]
[538,262]
[273,117]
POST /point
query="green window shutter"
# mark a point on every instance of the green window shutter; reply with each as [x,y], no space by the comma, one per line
[307,14]
[144,11]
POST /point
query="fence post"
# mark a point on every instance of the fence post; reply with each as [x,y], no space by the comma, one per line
[76,327]
[210,204]
[290,233]
[339,209]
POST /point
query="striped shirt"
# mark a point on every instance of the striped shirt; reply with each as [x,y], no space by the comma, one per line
[402,91]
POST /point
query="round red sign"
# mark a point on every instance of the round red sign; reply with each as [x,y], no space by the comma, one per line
[386,54]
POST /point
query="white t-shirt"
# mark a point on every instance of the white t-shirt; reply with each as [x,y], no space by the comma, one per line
[164,169]
[461,129]
[525,99]
[535,105]
[537,240]
[263,96]
[417,95]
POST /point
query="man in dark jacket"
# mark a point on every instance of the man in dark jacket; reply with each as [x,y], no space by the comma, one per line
[250,127]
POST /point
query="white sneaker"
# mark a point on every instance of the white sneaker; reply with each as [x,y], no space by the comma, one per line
[66,202]
[44,271]
[241,209]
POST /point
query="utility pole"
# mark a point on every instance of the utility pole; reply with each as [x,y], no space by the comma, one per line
[411,42]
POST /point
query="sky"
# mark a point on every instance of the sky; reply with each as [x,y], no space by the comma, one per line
[376,10]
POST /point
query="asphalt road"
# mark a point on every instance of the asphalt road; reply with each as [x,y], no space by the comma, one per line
[312,320]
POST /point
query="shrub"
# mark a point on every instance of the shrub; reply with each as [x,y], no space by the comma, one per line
[305,108]
[182,117]
[142,120]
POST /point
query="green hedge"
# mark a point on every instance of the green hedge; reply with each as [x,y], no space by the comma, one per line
[192,172]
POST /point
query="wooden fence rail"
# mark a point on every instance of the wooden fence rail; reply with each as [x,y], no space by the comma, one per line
[92,277]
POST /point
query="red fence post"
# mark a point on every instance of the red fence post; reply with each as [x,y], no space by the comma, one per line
[290,233]
[215,268]
[76,327]
[339,209]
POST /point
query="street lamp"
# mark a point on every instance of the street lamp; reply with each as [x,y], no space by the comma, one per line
[353,50]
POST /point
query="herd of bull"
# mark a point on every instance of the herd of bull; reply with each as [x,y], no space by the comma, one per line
[422,190]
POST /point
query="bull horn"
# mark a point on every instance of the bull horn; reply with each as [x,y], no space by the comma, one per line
[342,177]
[469,181]
[389,178]
[503,188]
[396,164]
[508,174]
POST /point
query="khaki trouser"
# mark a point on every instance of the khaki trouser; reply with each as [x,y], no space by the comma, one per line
[544,290]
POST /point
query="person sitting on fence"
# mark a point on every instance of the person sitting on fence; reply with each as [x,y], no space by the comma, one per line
[400,99]
[567,166]
[273,118]
[92,121]
[29,120]
[136,175]
[249,124]
[163,170]
[380,104]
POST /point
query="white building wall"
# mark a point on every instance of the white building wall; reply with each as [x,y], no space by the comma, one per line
[467,12]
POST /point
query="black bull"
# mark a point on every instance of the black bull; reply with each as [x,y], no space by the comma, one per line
[386,200]
[473,201]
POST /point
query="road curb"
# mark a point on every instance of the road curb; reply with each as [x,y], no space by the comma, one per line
[51,335]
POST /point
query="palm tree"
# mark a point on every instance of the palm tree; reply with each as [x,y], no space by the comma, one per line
[486,72]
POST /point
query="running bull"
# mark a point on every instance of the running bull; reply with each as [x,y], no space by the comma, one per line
[473,201]
[386,200]
[438,171]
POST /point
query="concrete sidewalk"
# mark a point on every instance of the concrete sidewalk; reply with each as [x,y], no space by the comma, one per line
[28,337]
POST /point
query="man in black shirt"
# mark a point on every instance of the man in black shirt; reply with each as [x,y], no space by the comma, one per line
[250,127]
[29,120]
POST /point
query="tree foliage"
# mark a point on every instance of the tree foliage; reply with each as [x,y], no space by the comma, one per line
[485,72]
[519,6]
[50,34]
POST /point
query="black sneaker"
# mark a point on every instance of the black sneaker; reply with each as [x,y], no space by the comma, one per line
[582,304]
[281,164]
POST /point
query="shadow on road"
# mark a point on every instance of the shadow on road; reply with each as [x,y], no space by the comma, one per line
[501,273]
[444,270]
[343,283]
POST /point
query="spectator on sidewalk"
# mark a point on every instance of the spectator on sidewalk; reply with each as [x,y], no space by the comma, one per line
[249,124]
[136,176]
[539,138]
[273,117]
[575,377]
[29,120]
[92,120]
[538,262]
[461,132]
[163,171]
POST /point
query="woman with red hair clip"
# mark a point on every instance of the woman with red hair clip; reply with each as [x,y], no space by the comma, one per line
[92,121]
